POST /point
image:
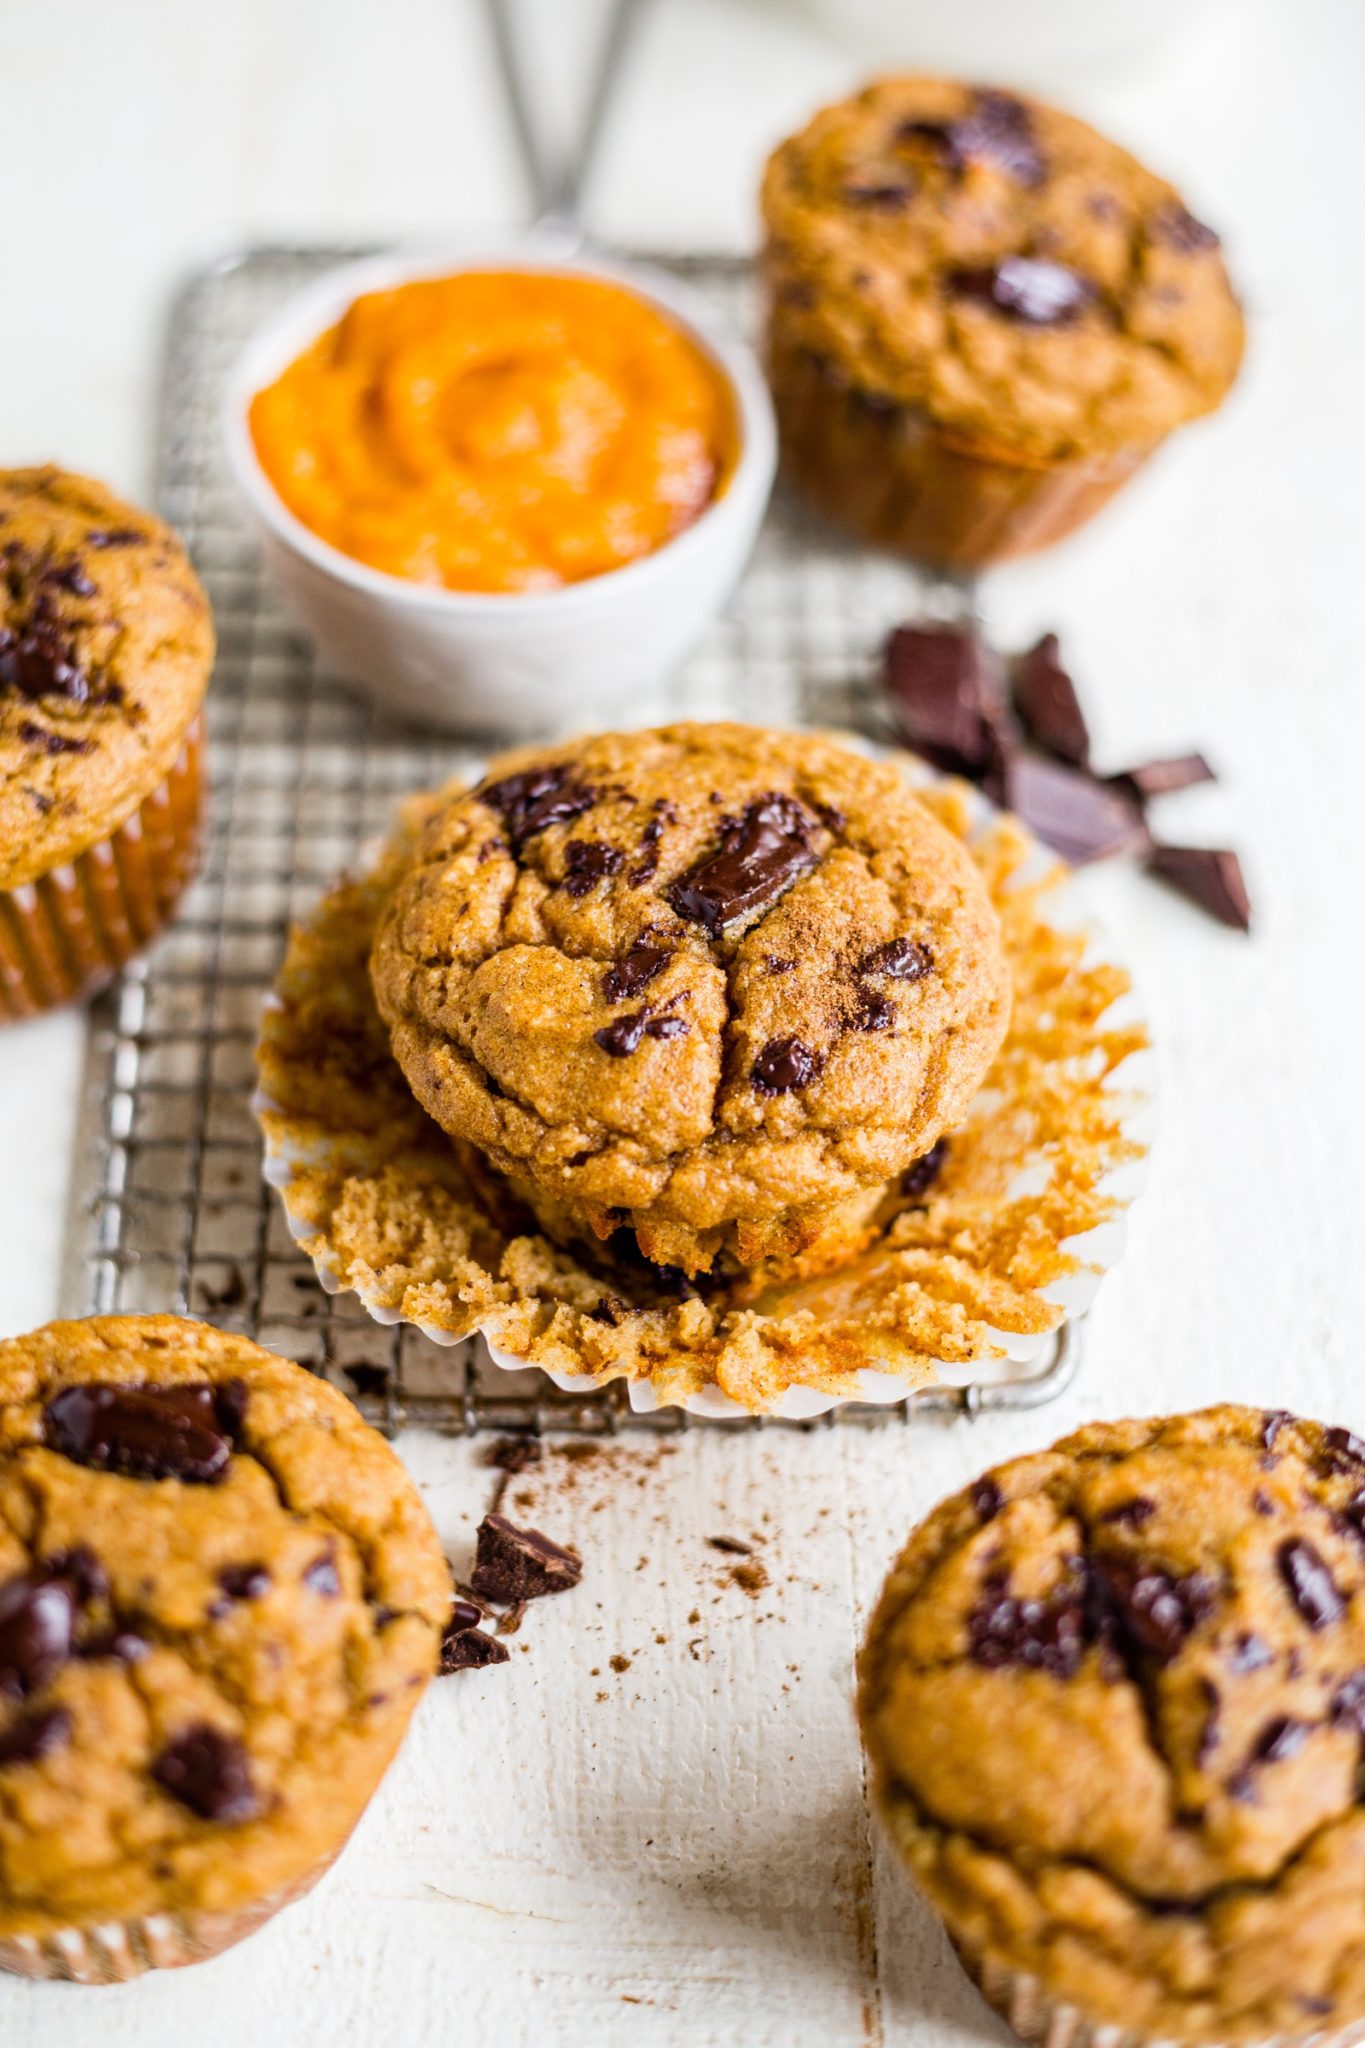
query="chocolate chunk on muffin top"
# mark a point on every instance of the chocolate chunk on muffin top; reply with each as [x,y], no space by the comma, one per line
[688,979]
[1000,265]
[1114,1695]
[106,643]
[220,1597]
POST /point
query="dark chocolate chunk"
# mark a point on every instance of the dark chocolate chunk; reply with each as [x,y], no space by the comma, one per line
[1164,777]
[535,799]
[1262,1502]
[210,1773]
[946,692]
[69,576]
[627,976]
[1250,1653]
[37,1615]
[872,1012]
[886,194]
[987,1500]
[1079,818]
[1029,289]
[123,1643]
[34,1736]
[1175,225]
[1131,1514]
[244,1581]
[587,862]
[1045,698]
[1282,1738]
[919,1178]
[1311,2003]
[370,1381]
[1043,1635]
[1348,1703]
[762,852]
[38,660]
[647,866]
[322,1577]
[902,959]
[151,1432]
[1311,1586]
[625,1035]
[463,1614]
[114,537]
[52,742]
[469,1649]
[1343,1450]
[784,1064]
[514,1564]
[997,130]
[1210,876]
[81,1568]
[1152,1610]
[1350,1520]
[730,1546]
[1272,1422]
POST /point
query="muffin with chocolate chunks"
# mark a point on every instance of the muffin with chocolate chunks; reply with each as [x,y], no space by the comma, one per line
[1114,1699]
[106,644]
[712,987]
[983,317]
[220,1600]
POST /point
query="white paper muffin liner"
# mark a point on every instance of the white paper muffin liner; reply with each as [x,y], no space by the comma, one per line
[1096,1251]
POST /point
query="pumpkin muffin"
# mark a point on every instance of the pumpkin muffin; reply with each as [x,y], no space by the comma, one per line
[713,985]
[1114,1699]
[106,643]
[220,1600]
[983,317]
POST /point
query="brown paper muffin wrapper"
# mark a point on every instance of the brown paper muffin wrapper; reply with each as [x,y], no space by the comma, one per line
[889,474]
[68,933]
[115,1951]
[1046,2022]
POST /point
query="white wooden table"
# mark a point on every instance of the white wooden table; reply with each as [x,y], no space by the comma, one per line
[677,1851]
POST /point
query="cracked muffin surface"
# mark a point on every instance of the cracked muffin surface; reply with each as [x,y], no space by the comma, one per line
[997,264]
[1114,1698]
[220,1599]
[710,982]
[106,643]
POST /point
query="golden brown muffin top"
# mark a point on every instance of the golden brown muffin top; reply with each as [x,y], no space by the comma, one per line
[1114,1695]
[220,1599]
[106,643]
[1028,284]
[702,973]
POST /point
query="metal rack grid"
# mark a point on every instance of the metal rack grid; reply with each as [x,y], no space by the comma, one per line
[169,1208]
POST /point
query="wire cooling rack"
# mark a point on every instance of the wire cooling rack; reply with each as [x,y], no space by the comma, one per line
[169,1208]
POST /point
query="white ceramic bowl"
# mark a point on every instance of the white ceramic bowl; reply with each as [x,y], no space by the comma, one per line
[530,663]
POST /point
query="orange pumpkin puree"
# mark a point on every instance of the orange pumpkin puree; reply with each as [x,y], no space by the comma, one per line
[498,430]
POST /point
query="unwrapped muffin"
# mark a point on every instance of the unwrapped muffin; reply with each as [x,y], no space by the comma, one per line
[711,985]
[106,643]
[983,317]
[220,1599]
[1114,1699]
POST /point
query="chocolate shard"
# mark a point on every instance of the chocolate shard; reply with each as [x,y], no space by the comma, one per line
[625,1035]
[587,862]
[947,695]
[1210,877]
[1081,819]
[150,1432]
[784,1064]
[902,959]
[1045,698]
[1027,289]
[512,1564]
[919,1177]
[1164,777]
[634,971]
[1309,1583]
[470,1649]
[34,1736]
[37,1616]
[1049,1634]
[210,1773]
[1149,1610]
[762,852]
[987,1499]
[535,799]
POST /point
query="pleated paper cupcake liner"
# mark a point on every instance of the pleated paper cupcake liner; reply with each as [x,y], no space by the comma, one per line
[66,934]
[1114,1072]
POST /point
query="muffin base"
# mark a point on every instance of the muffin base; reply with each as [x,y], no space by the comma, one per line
[65,935]
[889,474]
[1046,2022]
[116,1951]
